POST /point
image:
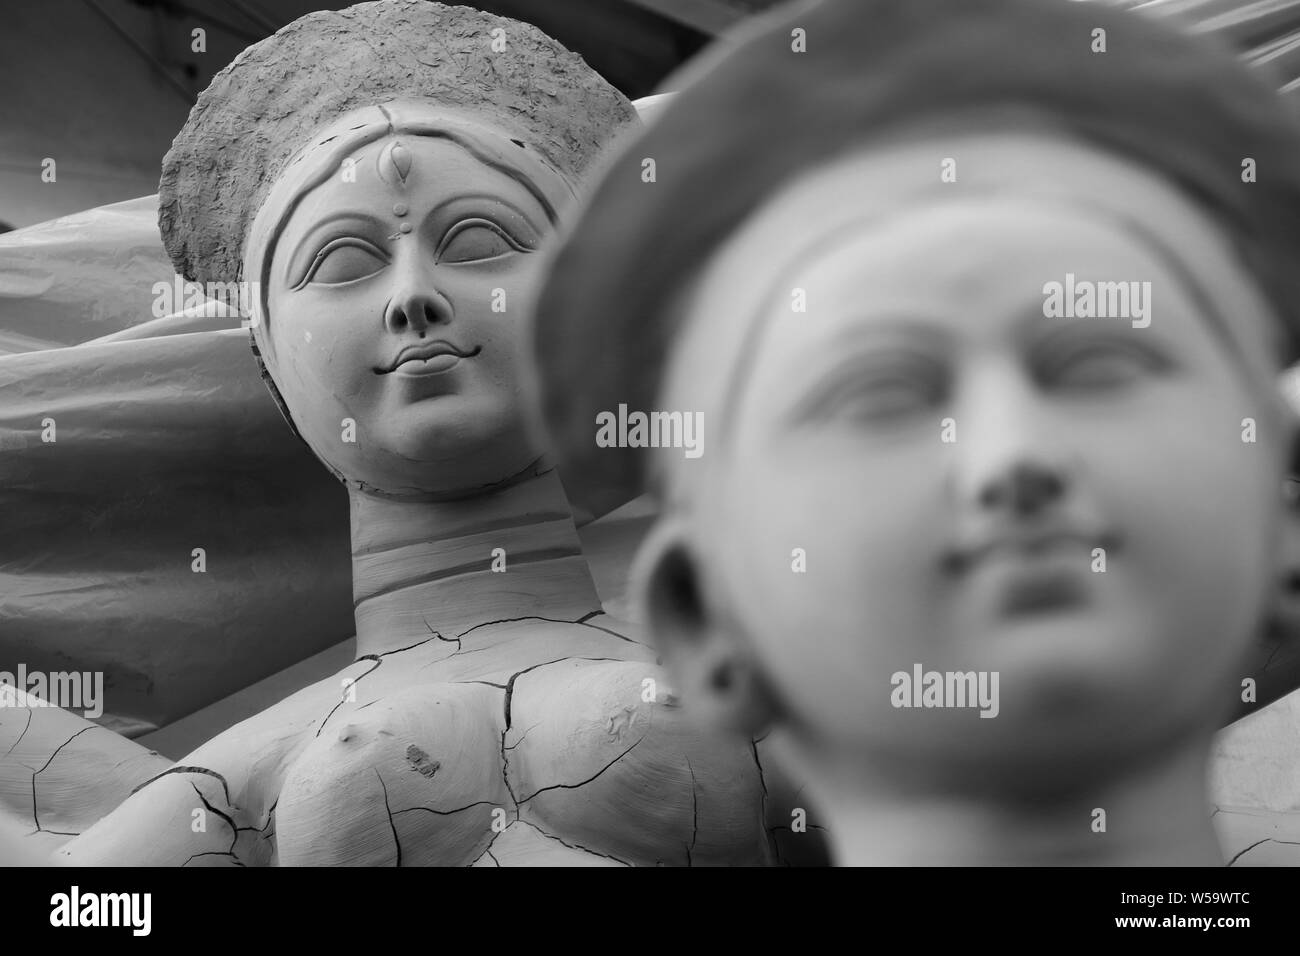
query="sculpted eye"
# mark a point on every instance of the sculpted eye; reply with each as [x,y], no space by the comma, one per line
[879,392]
[1099,366]
[883,397]
[475,240]
[344,260]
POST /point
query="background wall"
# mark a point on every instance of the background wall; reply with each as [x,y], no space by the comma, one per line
[102,86]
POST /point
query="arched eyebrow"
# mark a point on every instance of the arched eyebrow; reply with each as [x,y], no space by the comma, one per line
[342,223]
[487,205]
[891,327]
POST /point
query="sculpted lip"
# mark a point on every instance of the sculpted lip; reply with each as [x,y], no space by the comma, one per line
[1040,590]
[427,350]
[1027,543]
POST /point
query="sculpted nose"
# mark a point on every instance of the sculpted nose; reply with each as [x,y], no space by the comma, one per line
[1009,455]
[1023,489]
[416,309]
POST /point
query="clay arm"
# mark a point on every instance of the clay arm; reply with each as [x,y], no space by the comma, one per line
[187,814]
[184,817]
[217,806]
[59,772]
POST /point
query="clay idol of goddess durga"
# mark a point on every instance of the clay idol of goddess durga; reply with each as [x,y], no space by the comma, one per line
[385,177]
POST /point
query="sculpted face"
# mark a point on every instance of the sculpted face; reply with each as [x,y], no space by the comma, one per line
[978,551]
[395,297]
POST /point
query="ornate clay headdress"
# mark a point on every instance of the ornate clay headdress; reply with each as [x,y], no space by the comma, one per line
[263,108]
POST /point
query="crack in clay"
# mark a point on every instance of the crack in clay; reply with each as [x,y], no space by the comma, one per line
[695,815]
[35,818]
[773,846]
[527,617]
[270,818]
[1247,850]
[759,764]
[26,727]
[213,853]
[234,830]
[366,657]
[486,849]
[409,647]
[204,770]
[438,636]
[505,758]
[505,773]
[509,719]
[510,684]
[508,621]
[1258,842]
[578,846]
[446,813]
[583,783]
[523,735]
[597,627]
[391,825]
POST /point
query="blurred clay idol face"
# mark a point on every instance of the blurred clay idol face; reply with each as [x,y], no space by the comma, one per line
[981,482]
[395,302]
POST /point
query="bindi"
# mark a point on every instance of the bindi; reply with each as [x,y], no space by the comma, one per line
[394,167]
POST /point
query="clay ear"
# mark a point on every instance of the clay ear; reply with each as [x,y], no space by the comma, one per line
[665,581]
[707,659]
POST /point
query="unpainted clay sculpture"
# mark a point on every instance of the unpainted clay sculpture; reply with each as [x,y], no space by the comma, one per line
[494,715]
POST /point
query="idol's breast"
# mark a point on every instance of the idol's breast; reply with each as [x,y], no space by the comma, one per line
[600,755]
[535,743]
[414,778]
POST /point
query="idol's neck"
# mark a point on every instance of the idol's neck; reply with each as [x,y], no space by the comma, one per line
[1156,814]
[444,567]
